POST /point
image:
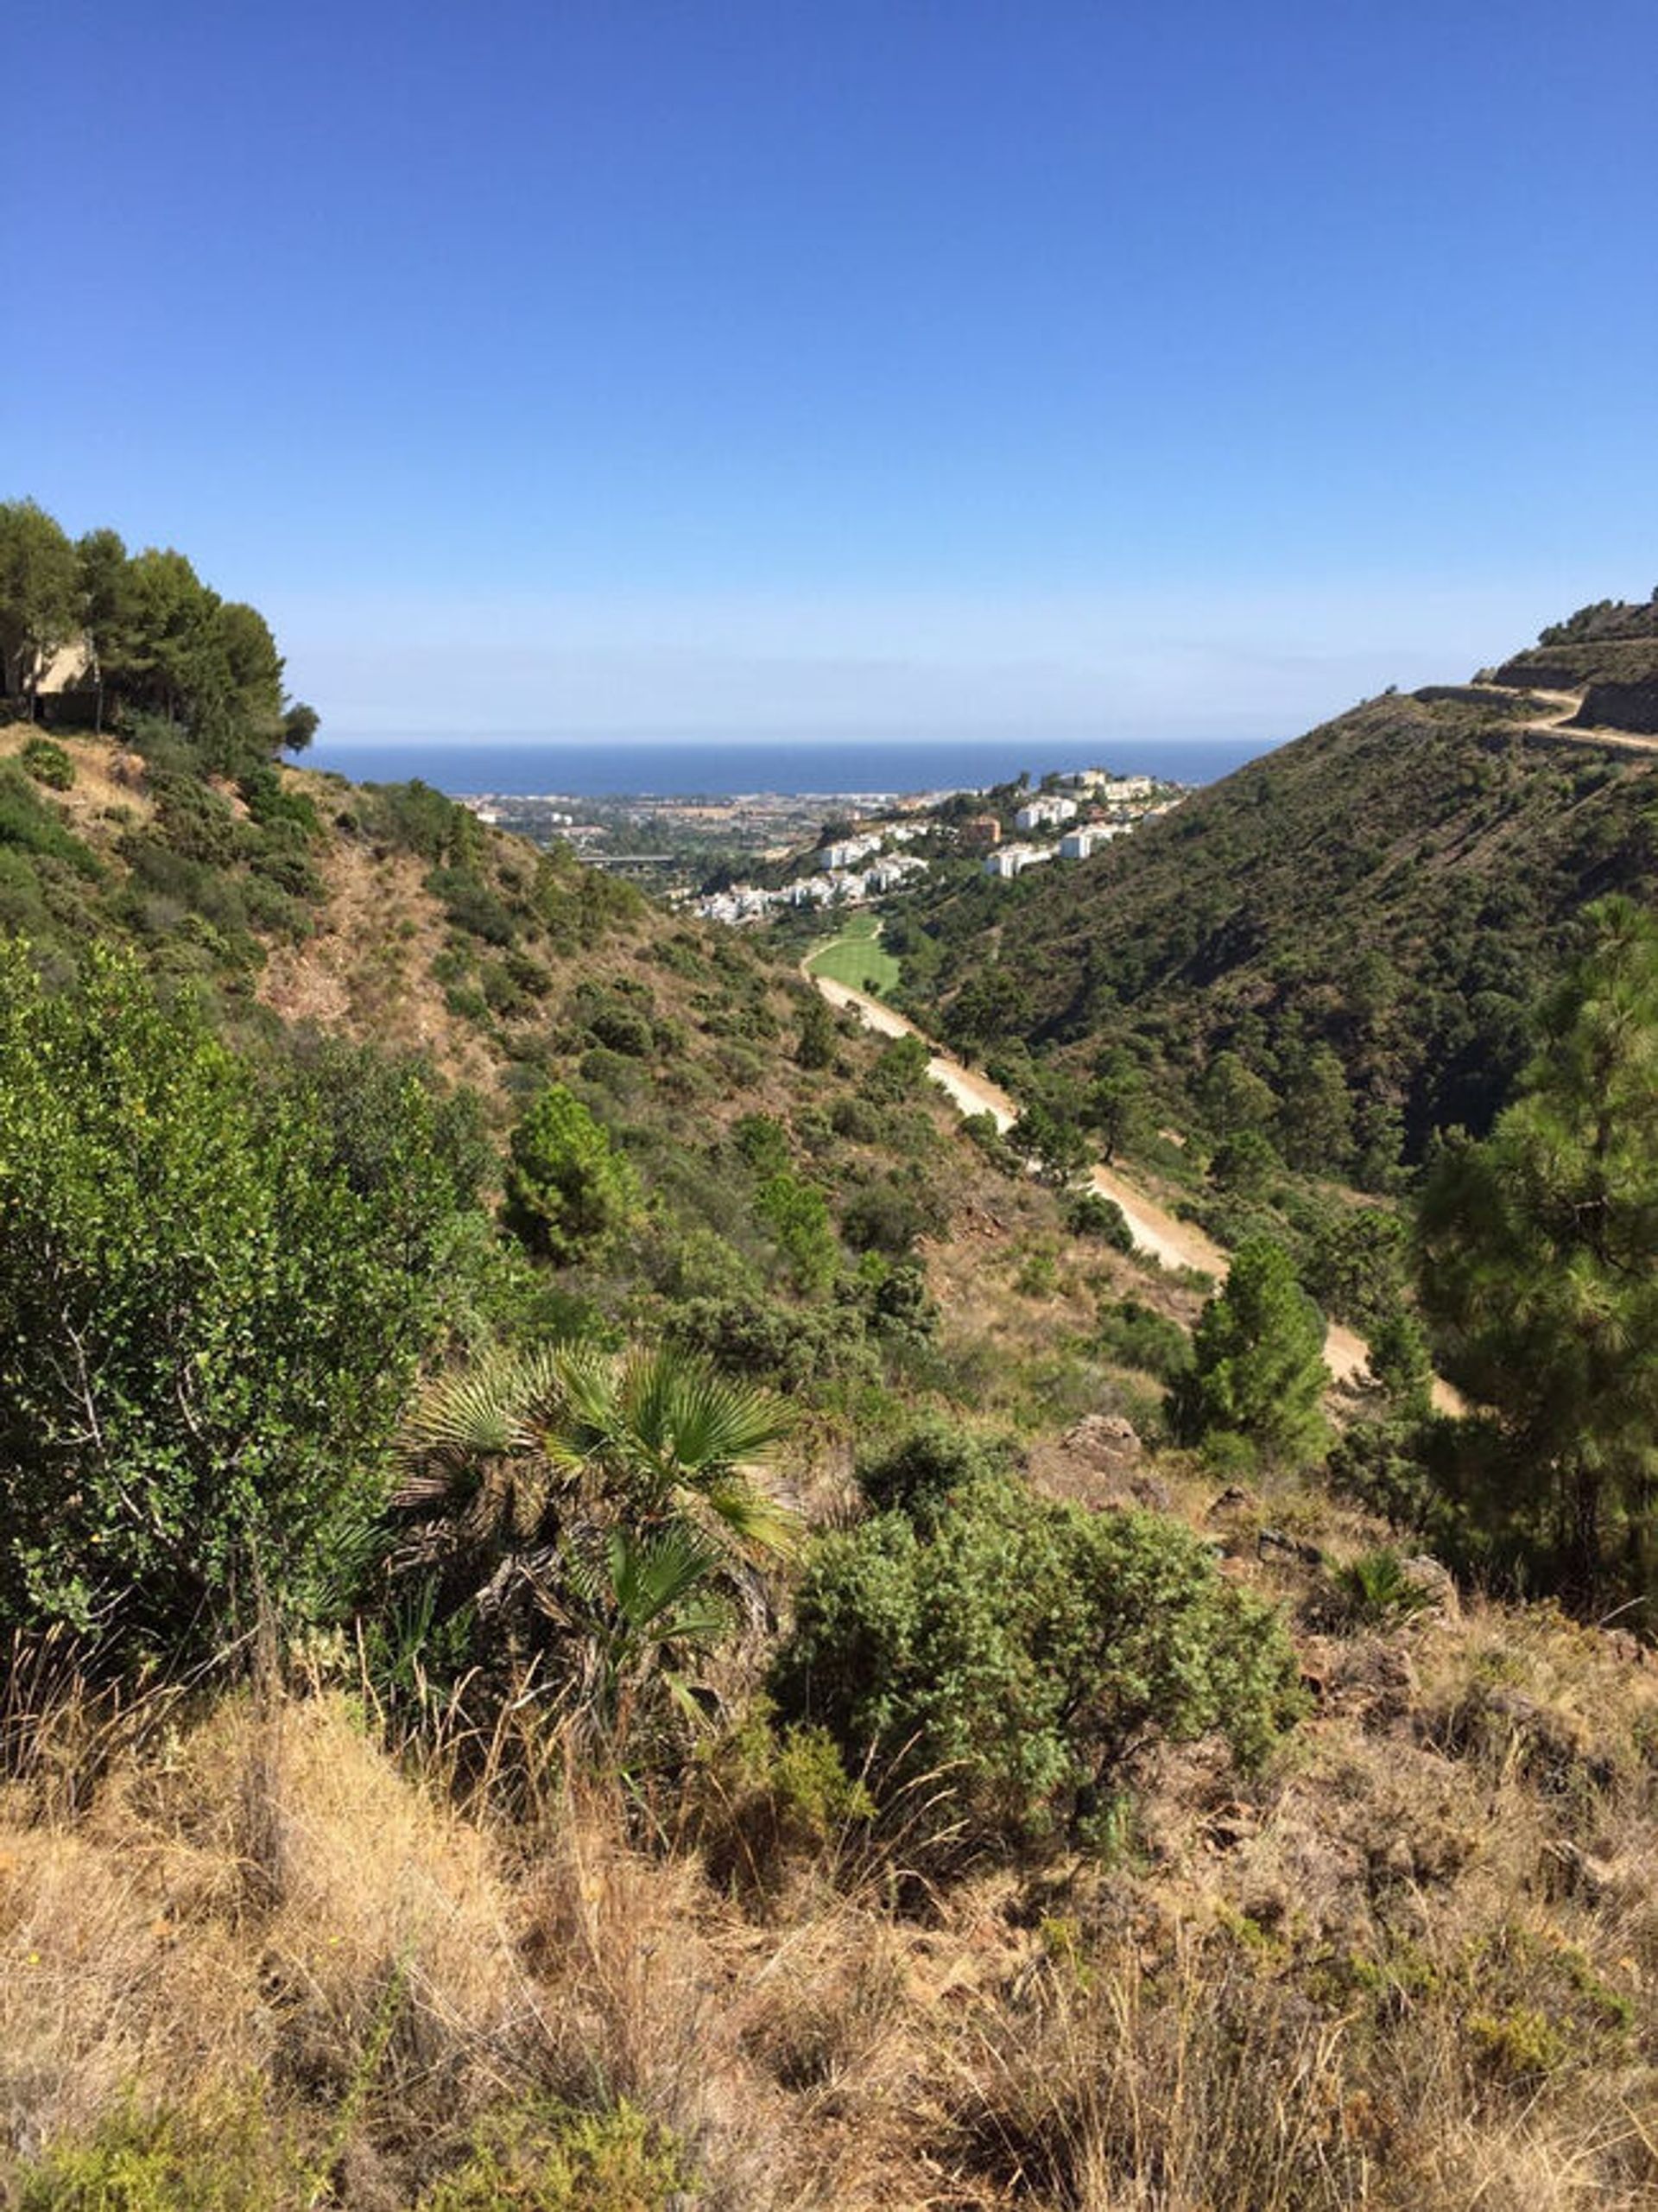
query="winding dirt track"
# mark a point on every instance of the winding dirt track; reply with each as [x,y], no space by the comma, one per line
[1566,704]
[1155,1230]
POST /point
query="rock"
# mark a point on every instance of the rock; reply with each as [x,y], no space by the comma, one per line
[1233,1501]
[1426,1573]
[1155,1496]
[1105,1441]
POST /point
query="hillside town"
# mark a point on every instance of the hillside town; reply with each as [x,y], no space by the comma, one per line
[1072,816]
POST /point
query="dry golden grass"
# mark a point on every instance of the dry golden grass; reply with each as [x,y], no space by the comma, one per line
[1410,1966]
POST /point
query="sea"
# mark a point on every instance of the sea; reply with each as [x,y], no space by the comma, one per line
[608,767]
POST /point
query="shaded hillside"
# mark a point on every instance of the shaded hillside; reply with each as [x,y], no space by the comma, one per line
[1390,889]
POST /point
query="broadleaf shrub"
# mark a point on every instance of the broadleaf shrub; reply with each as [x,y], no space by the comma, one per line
[1026,1652]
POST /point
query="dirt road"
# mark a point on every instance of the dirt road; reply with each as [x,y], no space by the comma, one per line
[1155,1230]
[1566,704]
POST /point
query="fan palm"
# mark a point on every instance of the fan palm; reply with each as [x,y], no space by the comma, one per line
[612,1506]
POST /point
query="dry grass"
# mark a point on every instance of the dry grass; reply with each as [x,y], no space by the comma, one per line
[1410,1966]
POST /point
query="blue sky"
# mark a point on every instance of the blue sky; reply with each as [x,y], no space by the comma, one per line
[754,366]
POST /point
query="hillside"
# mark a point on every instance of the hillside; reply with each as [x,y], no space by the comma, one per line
[607,1607]
[1392,889]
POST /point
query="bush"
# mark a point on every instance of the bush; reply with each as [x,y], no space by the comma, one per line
[1135,1336]
[1090,1213]
[797,1215]
[935,1462]
[885,1217]
[48,763]
[212,1295]
[35,827]
[549,2158]
[796,1347]
[1376,1590]
[1025,1651]
[227,2157]
[764,1142]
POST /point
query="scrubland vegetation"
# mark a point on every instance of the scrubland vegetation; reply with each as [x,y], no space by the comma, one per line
[606,1609]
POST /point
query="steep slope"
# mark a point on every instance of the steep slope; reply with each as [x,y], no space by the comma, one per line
[1390,889]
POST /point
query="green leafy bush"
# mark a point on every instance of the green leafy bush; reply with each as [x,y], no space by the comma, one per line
[797,1215]
[207,1316]
[764,1142]
[48,763]
[1023,1652]
[1090,1213]
[27,823]
[1376,1590]
[1137,1336]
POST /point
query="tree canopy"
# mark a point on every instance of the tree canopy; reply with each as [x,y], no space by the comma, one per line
[159,642]
[1540,1264]
[1258,1367]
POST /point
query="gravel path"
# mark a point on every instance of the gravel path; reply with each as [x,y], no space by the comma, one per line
[1155,1230]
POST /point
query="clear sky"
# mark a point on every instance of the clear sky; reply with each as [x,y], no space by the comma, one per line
[930,365]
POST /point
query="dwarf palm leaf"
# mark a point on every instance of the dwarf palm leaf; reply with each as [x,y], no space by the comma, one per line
[606,1506]
[643,1608]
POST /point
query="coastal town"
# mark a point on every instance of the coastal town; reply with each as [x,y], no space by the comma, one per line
[1073,815]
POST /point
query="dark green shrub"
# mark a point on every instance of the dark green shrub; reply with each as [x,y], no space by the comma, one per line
[857,1120]
[797,1215]
[885,1217]
[764,1142]
[793,1347]
[1024,1653]
[1376,1590]
[206,1326]
[34,827]
[1137,1336]
[471,906]
[413,818]
[1090,1213]
[270,801]
[48,763]
[900,1071]
[935,1462]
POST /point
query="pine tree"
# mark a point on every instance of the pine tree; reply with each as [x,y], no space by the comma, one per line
[1258,1360]
[1540,1262]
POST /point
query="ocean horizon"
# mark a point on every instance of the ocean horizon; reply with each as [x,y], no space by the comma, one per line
[686,767]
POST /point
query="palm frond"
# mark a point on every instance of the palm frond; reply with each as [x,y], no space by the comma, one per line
[756,1522]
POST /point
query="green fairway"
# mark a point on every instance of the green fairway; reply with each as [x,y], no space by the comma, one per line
[854,958]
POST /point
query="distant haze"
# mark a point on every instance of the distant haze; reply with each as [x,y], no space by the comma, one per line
[1064,669]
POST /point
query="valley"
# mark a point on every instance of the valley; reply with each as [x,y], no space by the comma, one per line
[636,1574]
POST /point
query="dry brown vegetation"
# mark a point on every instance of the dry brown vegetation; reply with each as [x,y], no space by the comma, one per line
[1411,1964]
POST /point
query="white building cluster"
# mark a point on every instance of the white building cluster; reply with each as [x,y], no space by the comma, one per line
[1040,814]
[838,886]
